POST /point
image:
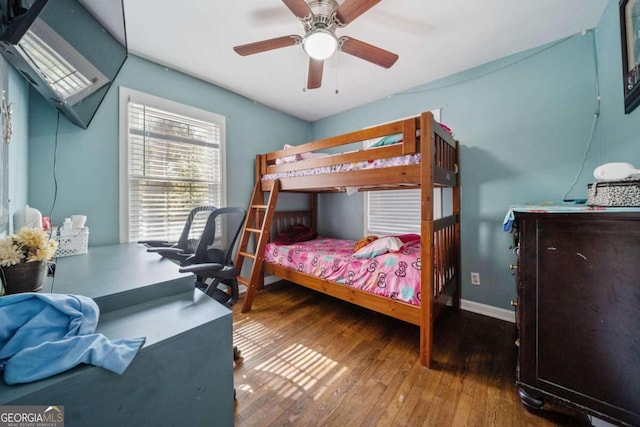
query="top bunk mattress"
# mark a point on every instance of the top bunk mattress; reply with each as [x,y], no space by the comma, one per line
[410,159]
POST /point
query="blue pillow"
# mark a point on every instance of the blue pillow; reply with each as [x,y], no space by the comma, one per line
[388,140]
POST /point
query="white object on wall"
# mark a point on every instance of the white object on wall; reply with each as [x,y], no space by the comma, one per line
[615,171]
[78,220]
[27,217]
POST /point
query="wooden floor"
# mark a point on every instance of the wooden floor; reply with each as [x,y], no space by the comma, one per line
[312,360]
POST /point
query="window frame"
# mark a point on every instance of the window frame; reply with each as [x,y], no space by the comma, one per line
[126,96]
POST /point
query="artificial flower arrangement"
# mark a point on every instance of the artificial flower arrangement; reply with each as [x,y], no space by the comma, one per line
[28,245]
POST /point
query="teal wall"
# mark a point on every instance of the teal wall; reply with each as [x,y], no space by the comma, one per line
[87,160]
[523,122]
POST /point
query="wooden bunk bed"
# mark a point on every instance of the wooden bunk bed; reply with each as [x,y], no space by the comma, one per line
[440,238]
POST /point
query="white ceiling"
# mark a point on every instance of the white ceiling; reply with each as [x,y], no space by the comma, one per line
[434,39]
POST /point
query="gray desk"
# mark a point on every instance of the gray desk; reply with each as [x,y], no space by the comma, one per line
[183,375]
[116,276]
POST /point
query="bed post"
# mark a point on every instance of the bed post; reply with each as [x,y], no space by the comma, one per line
[426,235]
[456,212]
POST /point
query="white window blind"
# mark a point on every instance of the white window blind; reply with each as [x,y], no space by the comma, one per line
[174,163]
[393,212]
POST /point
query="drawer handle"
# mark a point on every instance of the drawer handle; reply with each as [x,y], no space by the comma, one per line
[513,266]
[512,303]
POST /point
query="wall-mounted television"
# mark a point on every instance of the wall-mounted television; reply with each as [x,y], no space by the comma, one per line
[69,50]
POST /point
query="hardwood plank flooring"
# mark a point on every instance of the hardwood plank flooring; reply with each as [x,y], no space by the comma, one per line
[313,360]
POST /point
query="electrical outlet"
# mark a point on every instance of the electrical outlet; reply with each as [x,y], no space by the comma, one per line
[475,279]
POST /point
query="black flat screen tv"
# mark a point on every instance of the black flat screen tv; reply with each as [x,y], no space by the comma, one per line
[69,50]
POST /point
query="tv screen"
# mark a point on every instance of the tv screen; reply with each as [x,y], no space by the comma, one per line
[69,50]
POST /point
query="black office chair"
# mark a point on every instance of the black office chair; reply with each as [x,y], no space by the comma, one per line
[186,245]
[212,262]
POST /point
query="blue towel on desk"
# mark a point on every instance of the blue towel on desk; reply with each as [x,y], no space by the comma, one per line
[44,334]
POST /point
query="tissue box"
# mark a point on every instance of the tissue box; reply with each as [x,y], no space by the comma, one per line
[74,242]
[614,193]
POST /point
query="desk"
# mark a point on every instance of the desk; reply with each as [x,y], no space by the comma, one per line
[183,375]
[117,276]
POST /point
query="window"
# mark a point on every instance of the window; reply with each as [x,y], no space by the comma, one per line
[171,160]
[393,212]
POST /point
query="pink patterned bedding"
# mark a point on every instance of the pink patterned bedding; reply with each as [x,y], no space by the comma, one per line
[393,275]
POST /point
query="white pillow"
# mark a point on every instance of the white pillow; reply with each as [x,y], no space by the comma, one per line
[306,156]
[378,247]
[287,159]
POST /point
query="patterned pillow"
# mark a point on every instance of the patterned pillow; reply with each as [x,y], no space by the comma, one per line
[363,242]
[378,247]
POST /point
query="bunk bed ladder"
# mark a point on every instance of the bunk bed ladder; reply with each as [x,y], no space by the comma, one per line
[259,216]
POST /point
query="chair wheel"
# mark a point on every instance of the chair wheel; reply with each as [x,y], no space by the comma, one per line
[237,356]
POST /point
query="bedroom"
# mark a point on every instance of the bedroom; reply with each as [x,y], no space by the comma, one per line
[523,122]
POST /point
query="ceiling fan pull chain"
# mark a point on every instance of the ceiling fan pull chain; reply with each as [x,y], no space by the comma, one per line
[304,76]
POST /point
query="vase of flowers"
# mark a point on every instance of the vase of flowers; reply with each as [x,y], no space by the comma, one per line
[23,260]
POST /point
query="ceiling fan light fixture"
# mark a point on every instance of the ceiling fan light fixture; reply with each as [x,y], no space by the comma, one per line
[320,44]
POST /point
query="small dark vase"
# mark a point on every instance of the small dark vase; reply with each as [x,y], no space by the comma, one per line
[24,277]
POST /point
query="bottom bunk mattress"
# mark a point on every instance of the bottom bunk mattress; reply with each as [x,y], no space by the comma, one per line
[395,275]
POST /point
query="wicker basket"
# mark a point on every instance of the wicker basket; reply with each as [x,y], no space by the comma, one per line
[614,193]
[75,242]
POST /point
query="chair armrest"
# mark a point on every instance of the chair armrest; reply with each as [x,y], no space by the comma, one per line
[211,270]
[156,243]
[169,250]
[198,268]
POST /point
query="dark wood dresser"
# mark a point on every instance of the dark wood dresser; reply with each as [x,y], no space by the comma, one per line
[578,311]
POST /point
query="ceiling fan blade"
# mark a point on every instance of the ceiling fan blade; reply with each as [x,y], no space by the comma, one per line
[299,8]
[314,79]
[368,52]
[351,9]
[265,45]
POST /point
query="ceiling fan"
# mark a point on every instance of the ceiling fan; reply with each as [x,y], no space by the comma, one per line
[320,19]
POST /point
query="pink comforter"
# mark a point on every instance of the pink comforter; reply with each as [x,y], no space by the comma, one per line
[394,275]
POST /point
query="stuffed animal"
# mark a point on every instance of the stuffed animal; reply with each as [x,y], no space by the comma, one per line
[364,242]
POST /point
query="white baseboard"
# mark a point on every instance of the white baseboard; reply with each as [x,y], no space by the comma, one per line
[488,310]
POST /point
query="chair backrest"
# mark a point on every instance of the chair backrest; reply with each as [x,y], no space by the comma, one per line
[219,236]
[193,228]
